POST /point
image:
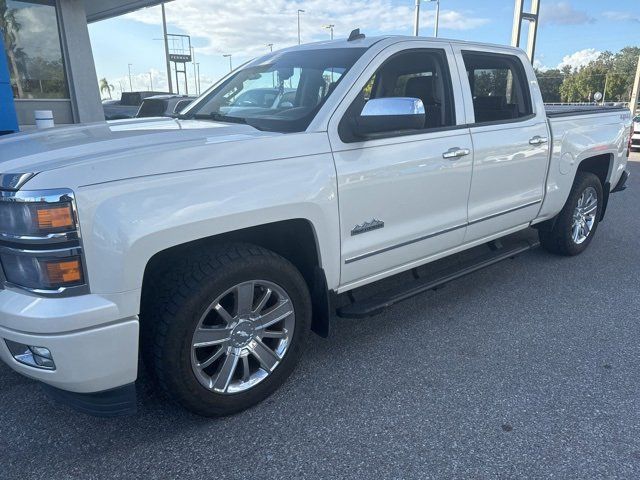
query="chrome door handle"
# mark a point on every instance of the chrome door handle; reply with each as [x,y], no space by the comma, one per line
[537,140]
[456,152]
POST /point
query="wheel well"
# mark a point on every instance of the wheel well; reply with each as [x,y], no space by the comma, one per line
[600,165]
[292,239]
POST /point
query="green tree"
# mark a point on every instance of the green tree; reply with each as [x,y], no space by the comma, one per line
[550,82]
[611,74]
[106,86]
[9,27]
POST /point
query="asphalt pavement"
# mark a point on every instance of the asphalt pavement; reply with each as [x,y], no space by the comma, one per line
[527,369]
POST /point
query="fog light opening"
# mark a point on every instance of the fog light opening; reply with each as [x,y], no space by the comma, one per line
[37,357]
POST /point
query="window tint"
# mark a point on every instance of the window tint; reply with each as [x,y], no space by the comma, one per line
[422,74]
[498,86]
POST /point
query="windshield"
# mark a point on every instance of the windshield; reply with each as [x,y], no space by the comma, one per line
[283,94]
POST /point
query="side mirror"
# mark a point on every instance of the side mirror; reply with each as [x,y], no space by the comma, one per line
[382,115]
[181,105]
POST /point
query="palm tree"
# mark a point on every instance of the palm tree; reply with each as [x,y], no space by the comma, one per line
[106,86]
[9,26]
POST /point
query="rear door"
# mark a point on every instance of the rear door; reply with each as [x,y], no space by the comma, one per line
[401,200]
[510,140]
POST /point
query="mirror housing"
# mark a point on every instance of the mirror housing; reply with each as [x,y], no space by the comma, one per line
[384,115]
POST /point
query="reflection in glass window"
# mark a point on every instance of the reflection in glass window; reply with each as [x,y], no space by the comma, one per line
[32,43]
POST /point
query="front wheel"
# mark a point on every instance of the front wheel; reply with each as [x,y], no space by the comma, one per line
[228,329]
[576,224]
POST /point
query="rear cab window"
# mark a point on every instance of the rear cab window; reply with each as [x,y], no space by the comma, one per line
[498,86]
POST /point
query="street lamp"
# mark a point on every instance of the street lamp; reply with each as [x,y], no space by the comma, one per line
[416,22]
[130,82]
[435,29]
[299,12]
[228,55]
[329,27]
[198,77]
[195,70]
[165,38]
[273,74]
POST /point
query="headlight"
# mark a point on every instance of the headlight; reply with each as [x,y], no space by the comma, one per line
[40,247]
[41,272]
[20,219]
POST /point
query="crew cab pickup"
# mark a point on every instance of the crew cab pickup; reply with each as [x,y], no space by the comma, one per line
[213,243]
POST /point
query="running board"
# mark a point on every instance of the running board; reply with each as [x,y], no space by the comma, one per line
[377,303]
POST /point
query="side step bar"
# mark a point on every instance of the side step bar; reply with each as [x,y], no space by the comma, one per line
[377,303]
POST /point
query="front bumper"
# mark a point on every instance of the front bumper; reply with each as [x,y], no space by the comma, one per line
[100,354]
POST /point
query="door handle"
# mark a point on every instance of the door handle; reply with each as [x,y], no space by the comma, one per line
[455,152]
[538,140]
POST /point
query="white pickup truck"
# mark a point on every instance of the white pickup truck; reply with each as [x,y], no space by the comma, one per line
[210,245]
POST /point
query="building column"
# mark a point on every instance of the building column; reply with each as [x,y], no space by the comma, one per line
[79,65]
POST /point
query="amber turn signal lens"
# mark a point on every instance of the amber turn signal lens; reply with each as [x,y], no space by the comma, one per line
[52,218]
[62,272]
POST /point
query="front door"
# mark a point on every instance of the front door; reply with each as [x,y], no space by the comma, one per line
[403,196]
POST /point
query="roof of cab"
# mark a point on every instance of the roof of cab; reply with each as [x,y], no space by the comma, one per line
[368,42]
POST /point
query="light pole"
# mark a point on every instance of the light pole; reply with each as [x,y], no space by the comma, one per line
[416,19]
[299,12]
[198,77]
[166,49]
[195,73]
[130,82]
[273,74]
[228,55]
[435,29]
[330,27]
[151,81]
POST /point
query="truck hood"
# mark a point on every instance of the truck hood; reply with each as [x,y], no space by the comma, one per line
[61,147]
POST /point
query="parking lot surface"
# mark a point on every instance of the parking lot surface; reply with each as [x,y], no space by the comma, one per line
[528,369]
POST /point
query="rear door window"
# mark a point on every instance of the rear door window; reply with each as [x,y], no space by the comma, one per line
[498,86]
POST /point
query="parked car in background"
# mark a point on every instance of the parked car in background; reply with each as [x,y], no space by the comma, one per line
[258,99]
[163,105]
[635,138]
[127,106]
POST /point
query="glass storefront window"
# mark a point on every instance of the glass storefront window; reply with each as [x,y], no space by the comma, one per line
[32,44]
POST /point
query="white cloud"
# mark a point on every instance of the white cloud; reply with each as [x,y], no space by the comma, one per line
[562,13]
[244,27]
[622,16]
[580,58]
[538,65]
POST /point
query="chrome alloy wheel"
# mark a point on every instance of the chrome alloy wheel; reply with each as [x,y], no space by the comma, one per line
[584,215]
[242,337]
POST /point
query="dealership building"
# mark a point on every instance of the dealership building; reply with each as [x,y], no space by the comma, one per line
[49,63]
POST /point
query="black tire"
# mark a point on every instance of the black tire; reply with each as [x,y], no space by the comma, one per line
[558,239]
[174,311]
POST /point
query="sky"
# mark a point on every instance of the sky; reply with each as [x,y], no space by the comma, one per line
[571,31]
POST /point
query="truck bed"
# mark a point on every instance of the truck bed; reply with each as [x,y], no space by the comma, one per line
[554,111]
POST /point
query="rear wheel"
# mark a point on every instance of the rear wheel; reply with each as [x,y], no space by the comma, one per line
[228,328]
[576,224]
